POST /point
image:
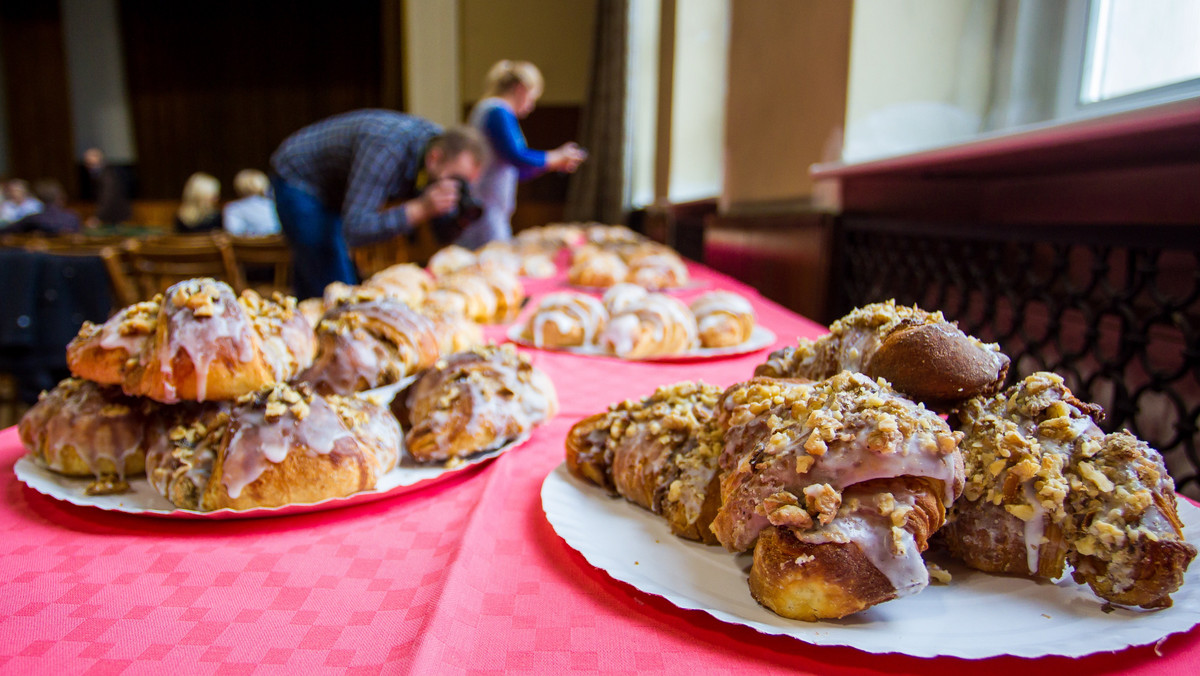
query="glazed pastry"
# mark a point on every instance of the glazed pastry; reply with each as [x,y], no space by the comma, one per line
[621,297]
[489,295]
[1126,536]
[405,281]
[537,266]
[500,254]
[659,452]
[475,401]
[370,343]
[450,259]
[282,446]
[611,234]
[454,332]
[656,326]
[197,342]
[82,429]
[599,269]
[1045,486]
[724,319]
[565,320]
[103,353]
[919,353]
[1017,447]
[658,271]
[179,459]
[837,485]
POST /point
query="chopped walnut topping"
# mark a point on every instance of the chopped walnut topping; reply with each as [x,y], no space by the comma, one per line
[937,573]
[823,501]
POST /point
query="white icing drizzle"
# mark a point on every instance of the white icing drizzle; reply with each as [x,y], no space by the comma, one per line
[621,297]
[78,414]
[566,311]
[254,442]
[198,336]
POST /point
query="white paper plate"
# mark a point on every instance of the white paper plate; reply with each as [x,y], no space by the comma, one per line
[142,499]
[761,337]
[978,615]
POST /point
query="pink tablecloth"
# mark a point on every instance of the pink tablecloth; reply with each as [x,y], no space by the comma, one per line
[465,576]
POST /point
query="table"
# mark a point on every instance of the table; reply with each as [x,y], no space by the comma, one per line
[463,576]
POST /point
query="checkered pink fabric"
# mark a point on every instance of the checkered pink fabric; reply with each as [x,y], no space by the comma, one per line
[465,576]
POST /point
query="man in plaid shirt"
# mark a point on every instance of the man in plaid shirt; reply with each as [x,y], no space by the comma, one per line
[334,180]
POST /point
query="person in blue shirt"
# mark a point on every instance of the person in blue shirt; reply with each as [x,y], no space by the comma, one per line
[362,177]
[512,90]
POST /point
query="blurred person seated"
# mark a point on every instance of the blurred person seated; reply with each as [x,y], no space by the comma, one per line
[200,210]
[18,203]
[108,187]
[54,218]
[253,214]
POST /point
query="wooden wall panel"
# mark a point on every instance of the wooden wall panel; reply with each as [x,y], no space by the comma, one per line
[215,86]
[35,73]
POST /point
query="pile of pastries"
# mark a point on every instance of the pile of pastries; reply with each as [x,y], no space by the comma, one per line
[228,402]
[632,323]
[512,257]
[641,261]
[833,465]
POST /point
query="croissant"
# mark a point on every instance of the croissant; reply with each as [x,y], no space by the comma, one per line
[83,429]
[658,271]
[370,343]
[489,295]
[853,479]
[658,325]
[919,353]
[1047,487]
[600,268]
[179,460]
[565,320]
[278,446]
[406,282]
[197,342]
[1016,449]
[454,332]
[1126,536]
[450,259]
[475,401]
[723,318]
[659,452]
[619,298]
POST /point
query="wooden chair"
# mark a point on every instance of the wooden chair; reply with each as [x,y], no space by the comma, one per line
[156,263]
[265,263]
[109,250]
[416,248]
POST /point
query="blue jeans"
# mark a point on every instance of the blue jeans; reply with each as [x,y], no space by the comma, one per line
[319,251]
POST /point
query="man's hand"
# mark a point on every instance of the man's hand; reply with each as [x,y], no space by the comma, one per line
[439,198]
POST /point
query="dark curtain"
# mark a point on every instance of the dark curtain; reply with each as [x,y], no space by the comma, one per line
[215,86]
[596,191]
[38,104]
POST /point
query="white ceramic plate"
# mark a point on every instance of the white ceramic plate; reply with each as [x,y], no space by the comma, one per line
[978,615]
[142,499]
[761,337]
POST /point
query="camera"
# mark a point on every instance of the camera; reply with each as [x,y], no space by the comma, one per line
[448,226]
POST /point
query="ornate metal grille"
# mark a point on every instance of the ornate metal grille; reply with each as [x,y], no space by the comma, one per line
[1114,309]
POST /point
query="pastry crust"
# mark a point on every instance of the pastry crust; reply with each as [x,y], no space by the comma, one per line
[1046,487]
[723,318]
[276,447]
[475,401]
[196,342]
[450,259]
[82,429]
[657,325]
[406,282]
[565,319]
[598,269]
[370,343]
[659,452]
[921,354]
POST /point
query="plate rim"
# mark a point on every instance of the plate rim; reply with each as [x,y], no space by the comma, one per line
[1182,619]
[28,468]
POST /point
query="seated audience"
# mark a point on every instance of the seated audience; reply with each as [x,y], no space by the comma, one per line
[201,207]
[18,203]
[108,187]
[54,218]
[253,214]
